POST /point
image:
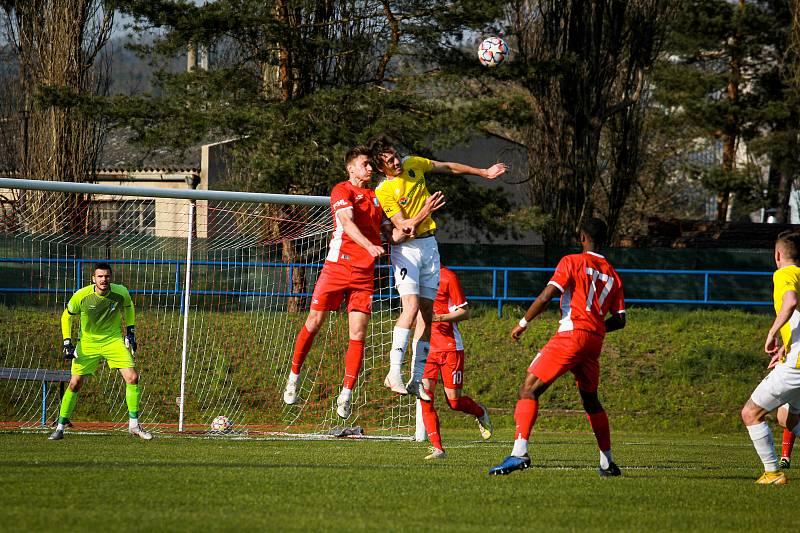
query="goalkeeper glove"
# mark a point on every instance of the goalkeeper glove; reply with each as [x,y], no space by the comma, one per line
[130,339]
[69,350]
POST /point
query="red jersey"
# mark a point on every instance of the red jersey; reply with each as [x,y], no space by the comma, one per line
[445,335]
[590,289]
[367,215]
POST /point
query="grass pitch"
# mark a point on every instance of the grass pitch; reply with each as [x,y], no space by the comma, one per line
[113,482]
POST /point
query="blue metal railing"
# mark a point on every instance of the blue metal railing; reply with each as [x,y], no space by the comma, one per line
[500,285]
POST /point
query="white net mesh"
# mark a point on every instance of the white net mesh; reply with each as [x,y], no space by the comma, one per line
[253,268]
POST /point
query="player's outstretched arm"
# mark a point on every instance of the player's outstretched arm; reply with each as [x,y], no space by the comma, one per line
[349,226]
[449,167]
[537,307]
[614,322]
[788,305]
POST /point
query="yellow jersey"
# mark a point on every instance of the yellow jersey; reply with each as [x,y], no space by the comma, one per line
[788,279]
[407,192]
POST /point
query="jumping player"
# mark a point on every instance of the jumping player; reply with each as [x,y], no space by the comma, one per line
[415,261]
[349,271]
[101,307]
[446,357]
[590,288]
[781,387]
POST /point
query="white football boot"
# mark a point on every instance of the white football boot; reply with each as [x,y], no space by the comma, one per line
[137,431]
[436,454]
[343,408]
[290,393]
[394,380]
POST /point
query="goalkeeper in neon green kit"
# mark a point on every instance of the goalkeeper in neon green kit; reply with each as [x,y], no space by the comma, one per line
[101,307]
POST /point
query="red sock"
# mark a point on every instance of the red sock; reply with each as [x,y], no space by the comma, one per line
[301,348]
[788,443]
[524,417]
[465,404]
[431,421]
[352,363]
[599,423]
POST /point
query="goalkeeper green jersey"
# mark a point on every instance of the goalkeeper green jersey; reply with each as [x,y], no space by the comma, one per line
[101,316]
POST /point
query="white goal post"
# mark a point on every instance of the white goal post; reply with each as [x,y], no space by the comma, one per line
[221,283]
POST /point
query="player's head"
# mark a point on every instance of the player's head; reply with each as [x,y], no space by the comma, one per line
[595,231]
[385,157]
[101,276]
[358,163]
[787,248]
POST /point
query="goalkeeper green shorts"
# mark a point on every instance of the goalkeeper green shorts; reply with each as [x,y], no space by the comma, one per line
[89,355]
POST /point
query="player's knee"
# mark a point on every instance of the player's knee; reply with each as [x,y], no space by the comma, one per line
[313,324]
[749,415]
[591,403]
[454,403]
[75,385]
[132,378]
[528,393]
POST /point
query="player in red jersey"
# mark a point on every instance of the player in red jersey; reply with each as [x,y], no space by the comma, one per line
[446,357]
[590,288]
[349,271]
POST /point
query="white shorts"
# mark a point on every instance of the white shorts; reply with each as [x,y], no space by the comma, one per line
[416,267]
[781,386]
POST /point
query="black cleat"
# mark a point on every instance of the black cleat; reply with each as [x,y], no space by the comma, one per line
[612,471]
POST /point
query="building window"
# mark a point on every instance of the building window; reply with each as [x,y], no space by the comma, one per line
[127,216]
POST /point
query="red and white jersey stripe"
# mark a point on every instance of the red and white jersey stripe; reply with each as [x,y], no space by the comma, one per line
[367,216]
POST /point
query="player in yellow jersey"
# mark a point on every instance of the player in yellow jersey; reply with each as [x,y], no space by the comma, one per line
[781,387]
[101,307]
[416,264]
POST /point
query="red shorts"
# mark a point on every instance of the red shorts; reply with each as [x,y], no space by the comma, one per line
[575,351]
[340,280]
[450,363]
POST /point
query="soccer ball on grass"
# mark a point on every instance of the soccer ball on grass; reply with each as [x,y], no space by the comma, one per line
[493,51]
[221,424]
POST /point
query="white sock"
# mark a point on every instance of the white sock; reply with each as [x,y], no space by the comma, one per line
[133,423]
[346,393]
[761,436]
[399,343]
[421,350]
[606,459]
[796,429]
[293,377]
[520,448]
[60,427]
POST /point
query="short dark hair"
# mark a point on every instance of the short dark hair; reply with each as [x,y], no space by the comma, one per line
[377,145]
[790,241]
[101,266]
[356,151]
[596,229]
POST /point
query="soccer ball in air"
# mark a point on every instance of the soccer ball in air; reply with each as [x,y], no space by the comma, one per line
[493,51]
[221,423]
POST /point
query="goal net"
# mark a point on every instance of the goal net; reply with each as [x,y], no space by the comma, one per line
[221,284]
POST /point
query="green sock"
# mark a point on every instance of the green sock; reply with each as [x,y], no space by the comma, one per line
[67,405]
[132,399]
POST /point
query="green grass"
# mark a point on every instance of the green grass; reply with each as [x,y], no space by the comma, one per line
[112,483]
[669,369]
